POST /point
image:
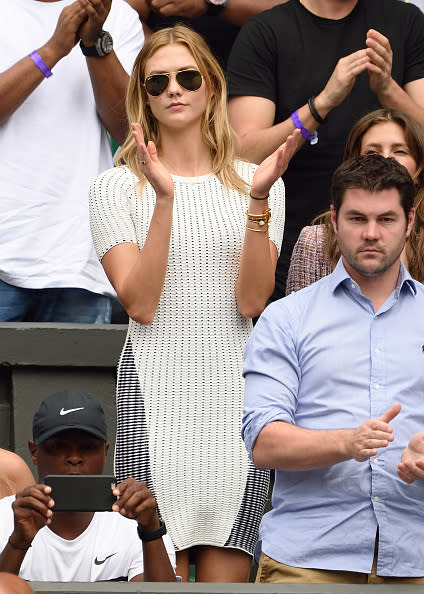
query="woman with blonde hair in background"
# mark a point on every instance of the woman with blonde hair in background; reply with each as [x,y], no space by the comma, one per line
[390,133]
[192,257]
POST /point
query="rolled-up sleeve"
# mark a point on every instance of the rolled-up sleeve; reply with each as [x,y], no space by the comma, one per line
[271,373]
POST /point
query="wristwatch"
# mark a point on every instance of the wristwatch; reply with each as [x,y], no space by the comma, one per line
[215,6]
[147,536]
[103,46]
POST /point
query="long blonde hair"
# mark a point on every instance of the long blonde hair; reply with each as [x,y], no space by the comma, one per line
[414,135]
[215,127]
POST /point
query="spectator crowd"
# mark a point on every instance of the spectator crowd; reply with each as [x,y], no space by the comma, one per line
[242,183]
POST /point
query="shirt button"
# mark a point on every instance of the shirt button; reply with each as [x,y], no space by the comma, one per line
[377,351]
[375,460]
[376,498]
[377,386]
[352,285]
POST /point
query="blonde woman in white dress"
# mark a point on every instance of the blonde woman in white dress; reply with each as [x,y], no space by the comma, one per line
[184,234]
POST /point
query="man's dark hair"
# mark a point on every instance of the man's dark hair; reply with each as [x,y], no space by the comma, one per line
[373,173]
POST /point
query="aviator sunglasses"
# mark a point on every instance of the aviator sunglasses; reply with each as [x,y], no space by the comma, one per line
[155,84]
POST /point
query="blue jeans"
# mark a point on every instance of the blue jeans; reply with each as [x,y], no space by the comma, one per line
[53,305]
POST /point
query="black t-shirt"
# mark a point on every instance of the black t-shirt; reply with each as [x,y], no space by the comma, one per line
[287,54]
[218,33]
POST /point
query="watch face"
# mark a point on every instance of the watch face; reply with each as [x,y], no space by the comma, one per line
[105,43]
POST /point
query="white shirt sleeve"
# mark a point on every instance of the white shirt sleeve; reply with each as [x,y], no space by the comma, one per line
[126,29]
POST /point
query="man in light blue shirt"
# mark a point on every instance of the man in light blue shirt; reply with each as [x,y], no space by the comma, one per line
[335,391]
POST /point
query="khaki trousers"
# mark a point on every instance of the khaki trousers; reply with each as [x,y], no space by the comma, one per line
[273,572]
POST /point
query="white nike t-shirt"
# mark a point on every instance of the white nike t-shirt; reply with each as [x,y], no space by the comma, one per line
[109,549]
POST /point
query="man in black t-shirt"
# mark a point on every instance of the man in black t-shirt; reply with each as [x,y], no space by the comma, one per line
[218,21]
[350,57]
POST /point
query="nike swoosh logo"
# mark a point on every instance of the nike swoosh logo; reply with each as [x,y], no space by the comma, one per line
[66,412]
[98,562]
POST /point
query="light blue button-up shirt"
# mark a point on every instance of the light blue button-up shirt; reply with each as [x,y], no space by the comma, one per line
[323,359]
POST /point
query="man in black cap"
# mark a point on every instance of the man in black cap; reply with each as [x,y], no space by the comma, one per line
[39,544]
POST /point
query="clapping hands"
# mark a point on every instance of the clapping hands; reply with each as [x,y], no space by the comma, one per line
[274,166]
[411,466]
[152,168]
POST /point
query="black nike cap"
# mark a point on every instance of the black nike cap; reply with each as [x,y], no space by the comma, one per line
[68,410]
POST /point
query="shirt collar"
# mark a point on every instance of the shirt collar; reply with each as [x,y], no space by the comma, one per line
[340,275]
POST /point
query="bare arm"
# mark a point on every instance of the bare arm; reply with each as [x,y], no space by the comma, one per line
[31,511]
[108,77]
[16,470]
[259,258]
[238,11]
[410,100]
[20,80]
[253,117]
[235,12]
[253,121]
[142,7]
[136,502]
[392,96]
[157,566]
[138,275]
[109,81]
[287,447]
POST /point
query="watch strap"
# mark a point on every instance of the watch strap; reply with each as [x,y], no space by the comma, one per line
[96,49]
[90,51]
[213,9]
[148,535]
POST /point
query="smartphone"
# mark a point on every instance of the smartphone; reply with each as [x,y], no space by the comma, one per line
[82,492]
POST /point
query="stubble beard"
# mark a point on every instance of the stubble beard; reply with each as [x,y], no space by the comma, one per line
[381,265]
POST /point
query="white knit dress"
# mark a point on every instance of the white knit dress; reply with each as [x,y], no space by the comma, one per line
[180,389]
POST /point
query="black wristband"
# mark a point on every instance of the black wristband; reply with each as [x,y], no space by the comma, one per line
[213,9]
[313,110]
[18,548]
[255,198]
[148,535]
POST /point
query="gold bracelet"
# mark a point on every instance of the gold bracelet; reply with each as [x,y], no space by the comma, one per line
[260,219]
[257,230]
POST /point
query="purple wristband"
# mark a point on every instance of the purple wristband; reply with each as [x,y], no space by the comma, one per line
[41,65]
[312,138]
